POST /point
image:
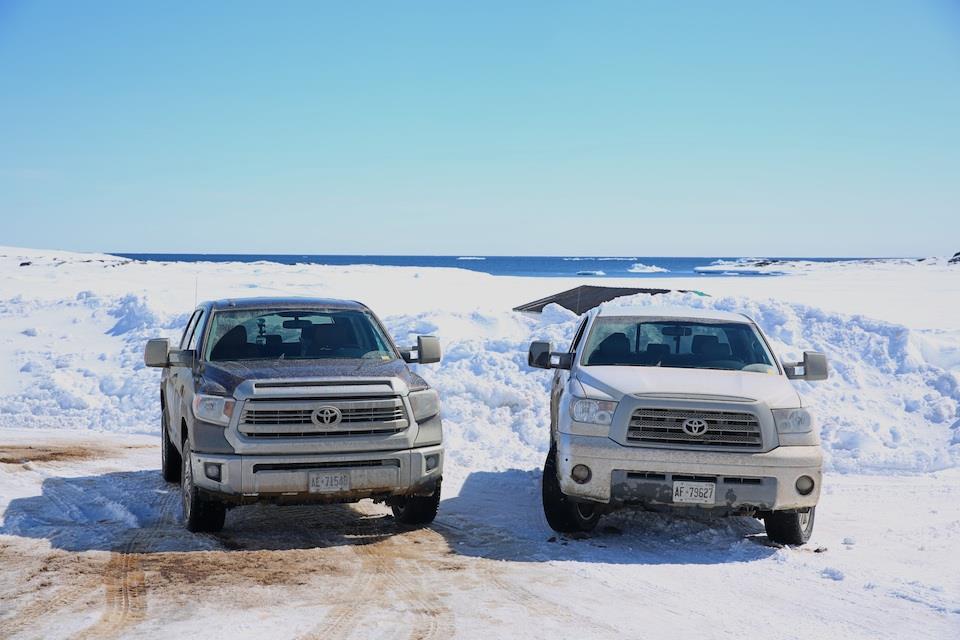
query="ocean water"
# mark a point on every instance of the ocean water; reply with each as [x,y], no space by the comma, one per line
[558,266]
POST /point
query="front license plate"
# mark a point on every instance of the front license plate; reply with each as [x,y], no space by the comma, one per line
[328,482]
[694,492]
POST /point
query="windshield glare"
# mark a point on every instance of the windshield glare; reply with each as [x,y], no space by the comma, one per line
[302,334]
[734,346]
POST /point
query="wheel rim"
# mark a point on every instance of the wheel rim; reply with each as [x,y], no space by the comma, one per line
[585,511]
[186,487]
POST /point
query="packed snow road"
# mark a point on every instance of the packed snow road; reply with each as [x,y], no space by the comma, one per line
[92,546]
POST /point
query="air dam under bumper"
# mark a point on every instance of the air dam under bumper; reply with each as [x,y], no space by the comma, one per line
[637,475]
[286,478]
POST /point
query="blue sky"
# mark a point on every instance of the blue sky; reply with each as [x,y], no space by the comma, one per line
[589,128]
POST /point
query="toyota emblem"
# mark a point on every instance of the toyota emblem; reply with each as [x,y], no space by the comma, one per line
[326,416]
[694,427]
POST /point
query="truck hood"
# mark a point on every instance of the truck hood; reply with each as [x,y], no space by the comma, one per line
[228,375]
[774,390]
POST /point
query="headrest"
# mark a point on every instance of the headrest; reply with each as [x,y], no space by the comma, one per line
[615,343]
[329,333]
[229,346]
[234,337]
[658,349]
[703,343]
[717,351]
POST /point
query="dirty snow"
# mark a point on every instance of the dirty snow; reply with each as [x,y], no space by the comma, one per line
[72,380]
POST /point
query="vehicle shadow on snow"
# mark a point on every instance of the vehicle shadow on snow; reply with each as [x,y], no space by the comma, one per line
[498,515]
[137,511]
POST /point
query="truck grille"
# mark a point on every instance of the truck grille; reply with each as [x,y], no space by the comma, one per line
[294,418]
[733,429]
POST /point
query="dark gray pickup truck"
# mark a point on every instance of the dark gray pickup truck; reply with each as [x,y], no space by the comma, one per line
[292,401]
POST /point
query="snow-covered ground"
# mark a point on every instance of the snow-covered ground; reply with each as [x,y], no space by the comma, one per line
[91,545]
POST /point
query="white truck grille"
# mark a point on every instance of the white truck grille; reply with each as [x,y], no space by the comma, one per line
[285,418]
[732,429]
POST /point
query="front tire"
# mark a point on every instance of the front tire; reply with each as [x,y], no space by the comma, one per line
[563,514]
[199,515]
[170,460]
[417,510]
[789,528]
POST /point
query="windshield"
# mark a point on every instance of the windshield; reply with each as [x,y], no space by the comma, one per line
[735,346]
[303,334]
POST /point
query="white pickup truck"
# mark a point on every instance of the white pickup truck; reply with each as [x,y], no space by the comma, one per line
[665,408]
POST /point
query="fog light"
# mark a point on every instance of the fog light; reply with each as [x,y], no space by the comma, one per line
[580,474]
[212,471]
[432,462]
[804,485]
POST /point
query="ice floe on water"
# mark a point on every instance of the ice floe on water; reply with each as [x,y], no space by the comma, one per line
[639,267]
[599,259]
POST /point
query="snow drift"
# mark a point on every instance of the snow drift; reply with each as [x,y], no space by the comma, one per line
[887,406]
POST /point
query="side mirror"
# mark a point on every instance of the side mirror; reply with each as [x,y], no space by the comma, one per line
[428,351]
[814,367]
[156,352]
[541,356]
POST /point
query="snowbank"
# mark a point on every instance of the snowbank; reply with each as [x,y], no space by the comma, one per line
[73,359]
[885,407]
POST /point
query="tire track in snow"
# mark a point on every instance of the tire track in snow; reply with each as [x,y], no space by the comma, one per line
[342,619]
[58,597]
[124,580]
[380,575]
[433,620]
[492,573]
[538,606]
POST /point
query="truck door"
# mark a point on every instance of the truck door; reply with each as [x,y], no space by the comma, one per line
[175,378]
[561,376]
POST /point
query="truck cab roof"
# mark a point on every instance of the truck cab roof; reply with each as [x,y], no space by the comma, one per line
[678,313]
[288,302]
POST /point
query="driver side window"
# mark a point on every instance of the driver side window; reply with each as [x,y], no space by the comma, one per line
[578,336]
[188,330]
[197,330]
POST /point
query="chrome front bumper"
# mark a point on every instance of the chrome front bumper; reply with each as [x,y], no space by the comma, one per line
[254,478]
[637,475]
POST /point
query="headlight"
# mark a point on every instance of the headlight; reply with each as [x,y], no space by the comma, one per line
[592,411]
[425,404]
[793,420]
[214,409]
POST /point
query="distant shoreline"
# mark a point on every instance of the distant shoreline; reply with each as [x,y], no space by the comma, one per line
[538,266]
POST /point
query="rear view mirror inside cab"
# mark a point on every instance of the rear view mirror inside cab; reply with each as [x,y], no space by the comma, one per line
[296,324]
[676,331]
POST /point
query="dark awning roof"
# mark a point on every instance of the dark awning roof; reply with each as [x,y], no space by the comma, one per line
[586,297]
